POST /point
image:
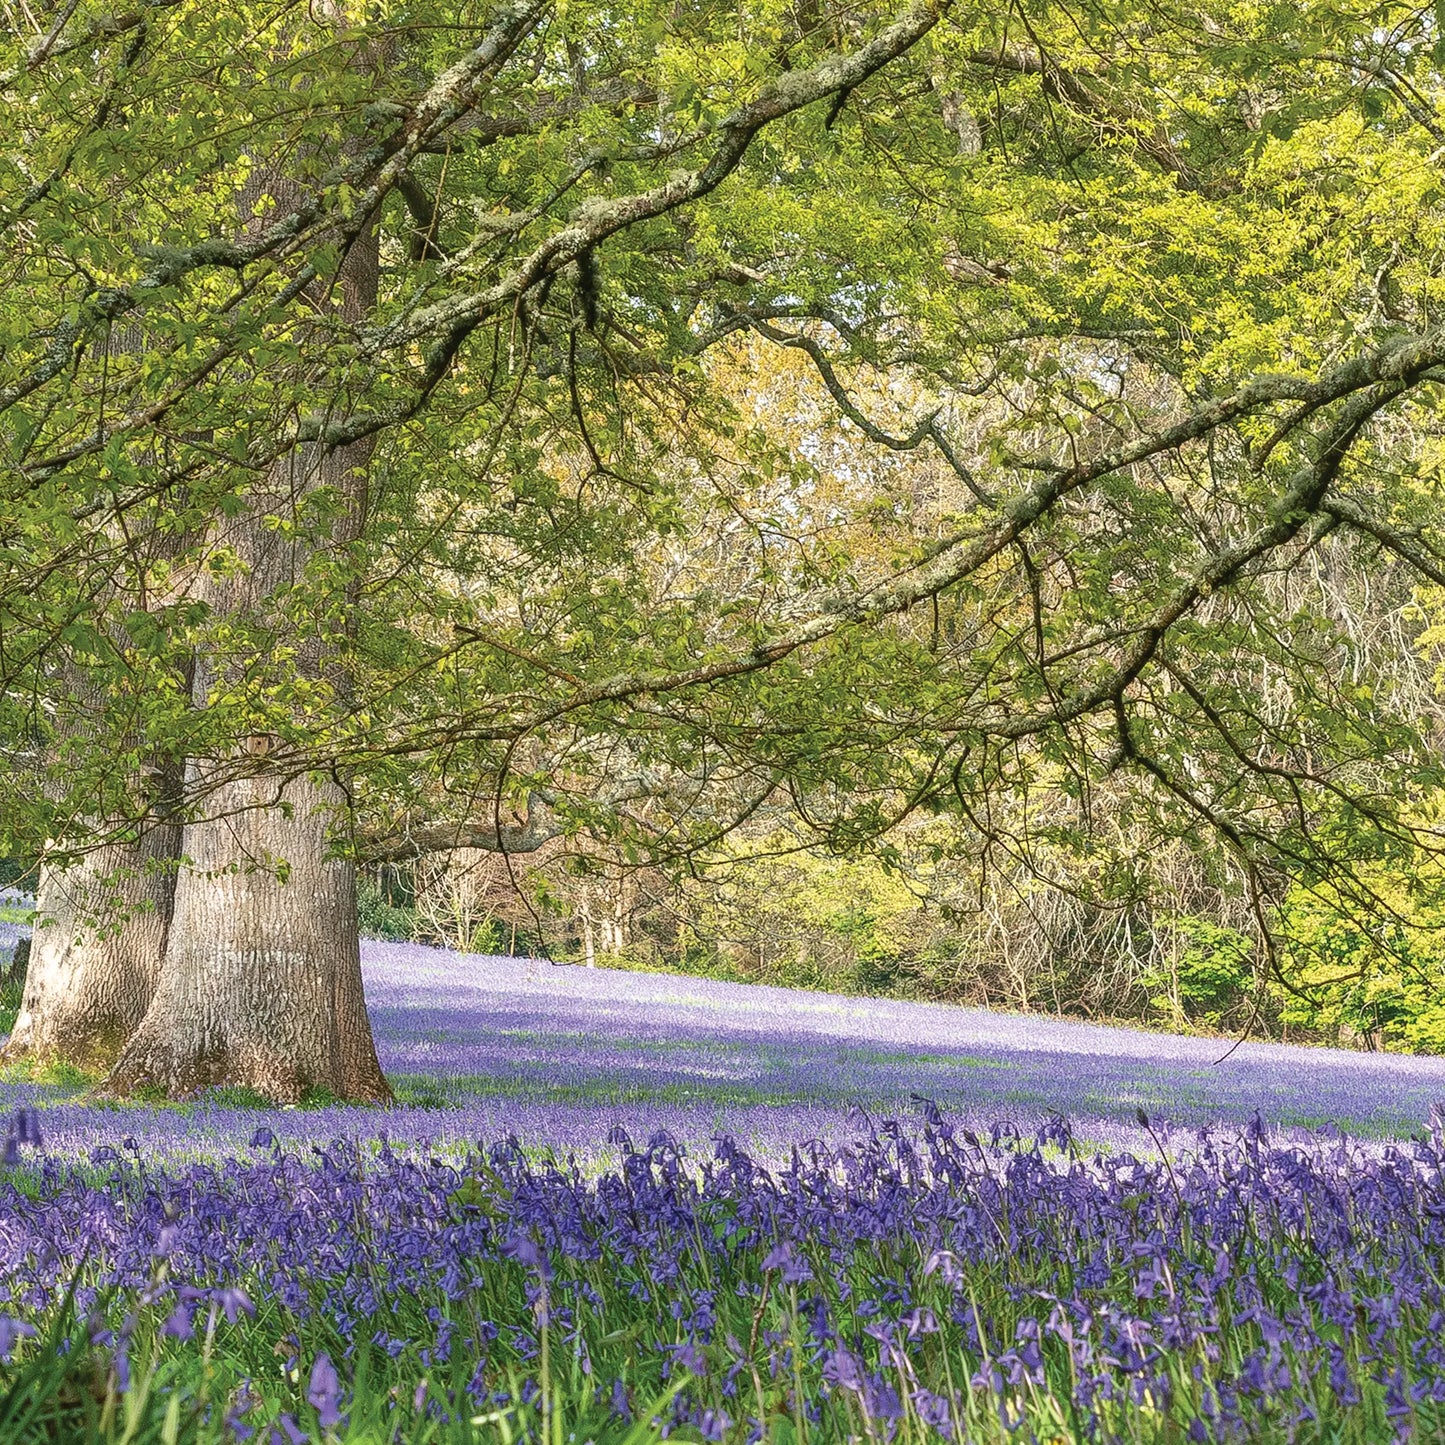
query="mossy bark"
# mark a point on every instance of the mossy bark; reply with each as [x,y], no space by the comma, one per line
[100,933]
[261,983]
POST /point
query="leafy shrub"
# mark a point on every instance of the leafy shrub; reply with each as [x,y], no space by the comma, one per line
[379,917]
[1201,973]
[1370,968]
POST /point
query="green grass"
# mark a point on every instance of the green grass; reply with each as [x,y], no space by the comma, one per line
[951,1061]
[64,1078]
[73,1399]
[1371,1128]
[426,1092]
[67,1081]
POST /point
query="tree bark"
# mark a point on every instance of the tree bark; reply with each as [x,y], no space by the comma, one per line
[261,983]
[102,921]
[99,936]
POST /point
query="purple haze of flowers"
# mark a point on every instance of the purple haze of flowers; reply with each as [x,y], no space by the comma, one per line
[482,1047]
[960,1142]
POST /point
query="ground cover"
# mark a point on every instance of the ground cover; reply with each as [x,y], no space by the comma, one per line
[480,1047]
[610,1200]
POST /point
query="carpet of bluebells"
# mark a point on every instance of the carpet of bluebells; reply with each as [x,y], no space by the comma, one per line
[618,1207]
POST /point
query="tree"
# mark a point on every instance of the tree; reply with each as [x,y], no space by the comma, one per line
[1152,298]
[93,965]
[264,895]
[105,912]
[246,991]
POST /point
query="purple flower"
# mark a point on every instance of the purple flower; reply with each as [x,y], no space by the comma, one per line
[1055,1130]
[241,1405]
[712,1424]
[934,1410]
[1397,1404]
[944,1263]
[688,1356]
[526,1250]
[11,1330]
[121,1364]
[324,1393]
[286,1431]
[782,1257]
[621,1405]
[234,1302]
[881,1400]
[843,1370]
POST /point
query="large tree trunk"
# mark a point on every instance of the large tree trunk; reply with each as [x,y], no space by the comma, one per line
[261,985]
[100,934]
[261,982]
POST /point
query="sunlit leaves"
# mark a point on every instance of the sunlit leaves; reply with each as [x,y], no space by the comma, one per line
[1048,232]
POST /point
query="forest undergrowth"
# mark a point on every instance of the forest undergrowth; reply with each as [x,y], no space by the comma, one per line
[609,1209]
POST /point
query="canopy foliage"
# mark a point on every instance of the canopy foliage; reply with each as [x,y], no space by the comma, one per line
[782,407]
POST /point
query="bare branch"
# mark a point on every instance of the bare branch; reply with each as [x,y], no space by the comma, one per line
[1428,562]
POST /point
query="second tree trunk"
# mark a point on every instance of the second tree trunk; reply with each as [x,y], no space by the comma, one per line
[100,934]
[261,984]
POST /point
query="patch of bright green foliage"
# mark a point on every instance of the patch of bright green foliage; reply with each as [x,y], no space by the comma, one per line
[64,1078]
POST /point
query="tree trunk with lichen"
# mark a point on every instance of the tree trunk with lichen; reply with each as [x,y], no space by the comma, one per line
[100,934]
[261,983]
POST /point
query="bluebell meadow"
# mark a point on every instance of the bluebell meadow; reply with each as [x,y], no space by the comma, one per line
[905,1271]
